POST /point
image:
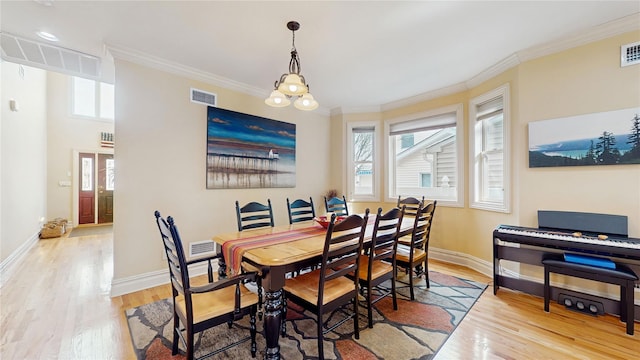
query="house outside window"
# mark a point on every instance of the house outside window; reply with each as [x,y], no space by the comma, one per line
[489,144]
[430,167]
[362,177]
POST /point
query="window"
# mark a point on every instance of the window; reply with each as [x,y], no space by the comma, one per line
[489,144]
[92,99]
[422,156]
[425,180]
[362,154]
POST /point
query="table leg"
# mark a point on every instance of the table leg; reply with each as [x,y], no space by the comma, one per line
[272,323]
[222,268]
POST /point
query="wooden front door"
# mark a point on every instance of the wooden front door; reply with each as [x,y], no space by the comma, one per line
[105,188]
[86,195]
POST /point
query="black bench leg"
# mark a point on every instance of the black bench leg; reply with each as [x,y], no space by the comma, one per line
[547,289]
[628,305]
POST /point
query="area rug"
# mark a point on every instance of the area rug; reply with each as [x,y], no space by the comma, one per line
[416,330]
[91,230]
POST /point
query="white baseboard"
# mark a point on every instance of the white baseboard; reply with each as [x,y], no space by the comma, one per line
[151,279]
[8,265]
[458,258]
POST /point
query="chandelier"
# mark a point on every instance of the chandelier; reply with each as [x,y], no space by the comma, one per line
[292,84]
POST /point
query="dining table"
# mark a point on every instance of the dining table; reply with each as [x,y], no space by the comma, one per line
[277,252]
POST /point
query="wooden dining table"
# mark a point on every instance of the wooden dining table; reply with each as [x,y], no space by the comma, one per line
[276,252]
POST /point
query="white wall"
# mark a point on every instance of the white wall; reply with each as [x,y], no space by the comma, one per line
[23,157]
[67,135]
[160,165]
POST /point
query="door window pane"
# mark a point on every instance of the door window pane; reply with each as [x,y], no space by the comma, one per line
[87,174]
[109,175]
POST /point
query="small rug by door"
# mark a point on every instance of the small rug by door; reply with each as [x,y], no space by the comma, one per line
[415,331]
[91,230]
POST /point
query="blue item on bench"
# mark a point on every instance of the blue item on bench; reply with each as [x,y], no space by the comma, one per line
[590,260]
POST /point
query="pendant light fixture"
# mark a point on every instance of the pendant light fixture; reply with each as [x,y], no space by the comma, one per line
[292,84]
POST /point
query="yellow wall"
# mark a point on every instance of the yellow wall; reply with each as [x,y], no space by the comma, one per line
[160,164]
[582,80]
[160,155]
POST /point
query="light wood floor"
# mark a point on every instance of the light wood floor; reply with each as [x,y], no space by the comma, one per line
[56,305]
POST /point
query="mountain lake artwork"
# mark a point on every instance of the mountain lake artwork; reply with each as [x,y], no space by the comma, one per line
[607,138]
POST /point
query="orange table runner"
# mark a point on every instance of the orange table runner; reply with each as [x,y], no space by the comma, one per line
[233,250]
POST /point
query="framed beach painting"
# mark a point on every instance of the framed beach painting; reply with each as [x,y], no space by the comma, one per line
[246,151]
[606,138]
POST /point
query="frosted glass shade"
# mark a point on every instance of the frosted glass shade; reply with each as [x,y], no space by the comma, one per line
[277,99]
[306,102]
[292,85]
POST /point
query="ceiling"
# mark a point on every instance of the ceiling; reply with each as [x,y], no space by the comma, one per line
[354,54]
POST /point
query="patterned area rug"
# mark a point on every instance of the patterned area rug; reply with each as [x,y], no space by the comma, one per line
[415,331]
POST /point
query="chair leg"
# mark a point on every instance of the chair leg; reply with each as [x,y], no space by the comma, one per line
[369,307]
[320,337]
[426,272]
[356,325]
[393,293]
[176,330]
[189,343]
[413,296]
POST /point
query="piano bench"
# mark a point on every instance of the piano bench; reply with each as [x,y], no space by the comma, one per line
[622,275]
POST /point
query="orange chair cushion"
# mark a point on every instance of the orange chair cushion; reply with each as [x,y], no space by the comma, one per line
[378,269]
[306,287]
[215,303]
[402,254]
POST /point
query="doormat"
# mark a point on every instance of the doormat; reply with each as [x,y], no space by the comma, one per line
[91,230]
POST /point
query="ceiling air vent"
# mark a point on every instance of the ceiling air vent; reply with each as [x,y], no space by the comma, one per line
[630,54]
[198,248]
[49,57]
[203,97]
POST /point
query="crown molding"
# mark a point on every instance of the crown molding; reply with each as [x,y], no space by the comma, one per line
[456,88]
[182,70]
[603,31]
[493,71]
[600,32]
[355,110]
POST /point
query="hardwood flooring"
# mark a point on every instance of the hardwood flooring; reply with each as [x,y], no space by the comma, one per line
[56,305]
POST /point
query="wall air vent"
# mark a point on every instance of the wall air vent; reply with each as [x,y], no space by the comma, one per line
[203,97]
[630,54]
[199,248]
[49,57]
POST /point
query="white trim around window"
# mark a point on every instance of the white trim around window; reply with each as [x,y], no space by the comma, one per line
[370,173]
[482,149]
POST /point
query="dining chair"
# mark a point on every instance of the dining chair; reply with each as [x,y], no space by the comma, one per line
[198,308]
[336,205]
[254,215]
[328,288]
[377,263]
[412,256]
[300,210]
[411,205]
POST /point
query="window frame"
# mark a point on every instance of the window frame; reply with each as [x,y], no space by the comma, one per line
[350,175]
[458,109]
[475,201]
[97,106]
